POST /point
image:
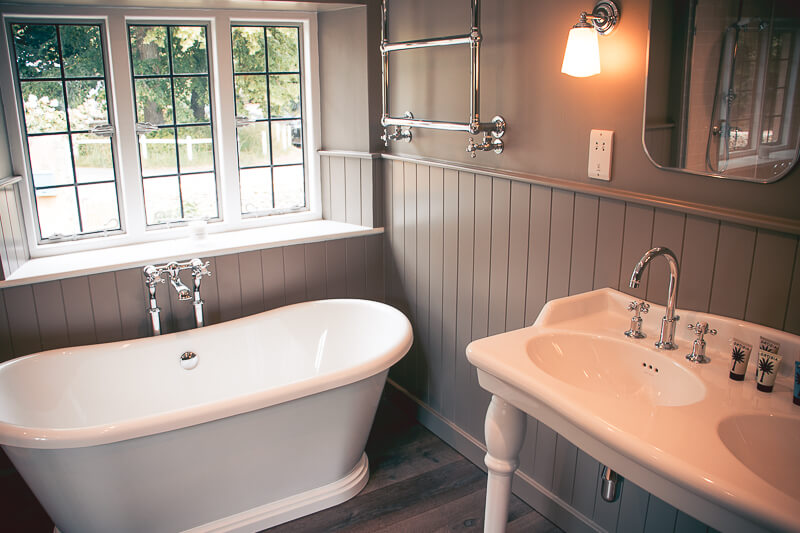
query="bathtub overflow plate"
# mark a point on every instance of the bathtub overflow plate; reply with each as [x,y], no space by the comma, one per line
[188,360]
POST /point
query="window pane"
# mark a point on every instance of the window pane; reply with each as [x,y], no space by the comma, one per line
[199,196]
[283,49]
[253,144]
[189,55]
[195,145]
[86,100]
[157,151]
[191,100]
[43,102]
[36,47]
[162,199]
[154,101]
[50,160]
[251,96]
[98,207]
[284,96]
[256,186]
[287,138]
[93,161]
[248,49]
[58,212]
[289,185]
[60,156]
[81,50]
[149,50]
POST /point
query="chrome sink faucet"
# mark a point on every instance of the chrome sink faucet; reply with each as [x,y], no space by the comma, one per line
[666,340]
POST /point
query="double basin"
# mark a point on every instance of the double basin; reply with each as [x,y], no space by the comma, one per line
[718,449]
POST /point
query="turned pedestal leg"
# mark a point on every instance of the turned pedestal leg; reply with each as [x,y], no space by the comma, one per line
[505,431]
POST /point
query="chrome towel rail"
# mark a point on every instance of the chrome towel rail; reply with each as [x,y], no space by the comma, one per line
[492,131]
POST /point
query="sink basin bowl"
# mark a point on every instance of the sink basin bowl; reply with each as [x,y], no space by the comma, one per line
[768,445]
[615,368]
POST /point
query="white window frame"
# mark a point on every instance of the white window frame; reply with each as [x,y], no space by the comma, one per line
[114,22]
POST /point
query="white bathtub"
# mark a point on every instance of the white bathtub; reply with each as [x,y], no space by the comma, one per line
[270,425]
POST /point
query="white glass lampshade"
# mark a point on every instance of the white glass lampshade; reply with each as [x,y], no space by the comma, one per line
[582,57]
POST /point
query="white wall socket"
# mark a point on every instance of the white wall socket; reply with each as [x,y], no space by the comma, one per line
[601,143]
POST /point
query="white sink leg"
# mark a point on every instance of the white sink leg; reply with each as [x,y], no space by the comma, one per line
[505,431]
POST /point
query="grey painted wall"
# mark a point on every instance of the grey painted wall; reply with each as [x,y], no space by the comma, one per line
[549,114]
[470,255]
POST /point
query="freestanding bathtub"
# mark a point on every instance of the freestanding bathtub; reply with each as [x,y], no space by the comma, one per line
[268,426]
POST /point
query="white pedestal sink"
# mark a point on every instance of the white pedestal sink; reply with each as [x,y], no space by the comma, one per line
[717,449]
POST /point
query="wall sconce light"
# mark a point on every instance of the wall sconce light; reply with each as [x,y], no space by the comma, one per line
[582,56]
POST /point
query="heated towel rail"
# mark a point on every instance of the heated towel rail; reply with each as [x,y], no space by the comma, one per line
[492,131]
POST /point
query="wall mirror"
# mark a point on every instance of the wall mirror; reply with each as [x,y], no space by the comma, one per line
[723,87]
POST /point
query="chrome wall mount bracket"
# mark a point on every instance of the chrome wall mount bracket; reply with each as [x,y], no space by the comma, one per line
[604,17]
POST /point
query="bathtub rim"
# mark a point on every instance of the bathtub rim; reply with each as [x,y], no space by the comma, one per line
[86,436]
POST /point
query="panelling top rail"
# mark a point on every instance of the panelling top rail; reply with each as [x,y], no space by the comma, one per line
[10,180]
[492,131]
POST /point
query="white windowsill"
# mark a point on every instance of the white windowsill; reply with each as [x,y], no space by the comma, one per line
[138,255]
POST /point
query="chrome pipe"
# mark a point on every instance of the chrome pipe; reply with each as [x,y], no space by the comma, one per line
[426,43]
[475,69]
[437,125]
[152,277]
[384,63]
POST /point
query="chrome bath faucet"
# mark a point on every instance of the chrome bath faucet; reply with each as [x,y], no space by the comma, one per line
[154,274]
[666,340]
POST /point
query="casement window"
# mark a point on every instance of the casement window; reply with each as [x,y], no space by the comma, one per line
[61,81]
[198,117]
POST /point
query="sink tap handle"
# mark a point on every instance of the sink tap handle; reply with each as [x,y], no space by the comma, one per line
[638,307]
[698,354]
[701,328]
[635,329]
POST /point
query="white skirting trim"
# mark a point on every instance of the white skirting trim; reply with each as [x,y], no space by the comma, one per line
[305,503]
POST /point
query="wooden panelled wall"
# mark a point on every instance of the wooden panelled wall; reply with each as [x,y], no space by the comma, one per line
[470,255]
[351,188]
[13,243]
[112,306]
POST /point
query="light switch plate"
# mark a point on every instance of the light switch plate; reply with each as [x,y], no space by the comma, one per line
[601,143]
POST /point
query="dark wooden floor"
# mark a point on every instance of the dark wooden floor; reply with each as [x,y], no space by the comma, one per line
[417,484]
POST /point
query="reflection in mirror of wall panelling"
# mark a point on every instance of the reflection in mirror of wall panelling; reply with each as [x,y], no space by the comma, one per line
[771,278]
[51,315]
[668,228]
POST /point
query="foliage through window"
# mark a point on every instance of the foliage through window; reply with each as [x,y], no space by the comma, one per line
[173,113]
[267,86]
[61,74]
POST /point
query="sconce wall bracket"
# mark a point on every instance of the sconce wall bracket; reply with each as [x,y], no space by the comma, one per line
[605,16]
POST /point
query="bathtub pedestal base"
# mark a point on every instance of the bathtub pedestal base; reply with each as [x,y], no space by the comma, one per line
[293,507]
[306,503]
